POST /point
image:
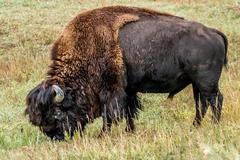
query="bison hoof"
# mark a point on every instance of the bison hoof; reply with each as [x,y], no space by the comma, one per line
[215,120]
[196,123]
[130,129]
[103,134]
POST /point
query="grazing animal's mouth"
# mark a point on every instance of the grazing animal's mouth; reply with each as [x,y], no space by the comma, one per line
[55,137]
[58,138]
[54,132]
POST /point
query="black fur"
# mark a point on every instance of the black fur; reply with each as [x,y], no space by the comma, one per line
[164,55]
[100,74]
[56,118]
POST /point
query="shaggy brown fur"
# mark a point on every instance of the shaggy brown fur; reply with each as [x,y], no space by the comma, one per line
[87,63]
[88,52]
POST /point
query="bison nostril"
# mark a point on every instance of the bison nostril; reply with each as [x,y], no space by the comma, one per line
[58,115]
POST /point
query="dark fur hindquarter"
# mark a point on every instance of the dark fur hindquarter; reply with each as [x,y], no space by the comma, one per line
[164,54]
[151,62]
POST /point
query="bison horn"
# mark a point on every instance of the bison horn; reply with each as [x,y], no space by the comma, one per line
[59,94]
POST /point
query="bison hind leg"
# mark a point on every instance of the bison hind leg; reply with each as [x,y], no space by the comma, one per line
[198,116]
[216,106]
[200,110]
[209,94]
[132,109]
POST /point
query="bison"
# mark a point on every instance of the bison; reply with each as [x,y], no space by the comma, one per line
[106,55]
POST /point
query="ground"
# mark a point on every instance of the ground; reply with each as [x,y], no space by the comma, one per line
[164,130]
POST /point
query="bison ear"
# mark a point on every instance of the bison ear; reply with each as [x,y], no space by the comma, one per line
[40,99]
[33,109]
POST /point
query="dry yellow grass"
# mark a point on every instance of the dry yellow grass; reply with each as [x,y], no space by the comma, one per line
[164,130]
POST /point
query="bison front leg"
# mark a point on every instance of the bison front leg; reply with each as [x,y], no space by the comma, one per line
[130,123]
[112,110]
[107,121]
[131,111]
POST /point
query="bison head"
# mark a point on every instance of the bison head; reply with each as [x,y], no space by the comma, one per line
[56,111]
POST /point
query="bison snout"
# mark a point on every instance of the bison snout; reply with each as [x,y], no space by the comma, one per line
[58,114]
[58,138]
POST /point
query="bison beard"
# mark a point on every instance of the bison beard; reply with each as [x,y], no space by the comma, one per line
[107,55]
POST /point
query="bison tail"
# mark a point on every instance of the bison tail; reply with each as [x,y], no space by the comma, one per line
[225,40]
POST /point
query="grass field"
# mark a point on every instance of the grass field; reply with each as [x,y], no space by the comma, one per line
[164,129]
